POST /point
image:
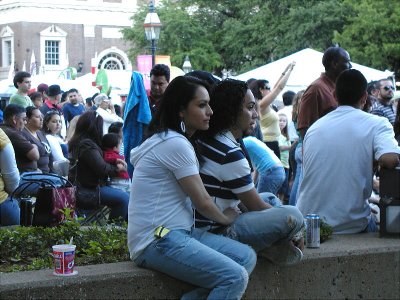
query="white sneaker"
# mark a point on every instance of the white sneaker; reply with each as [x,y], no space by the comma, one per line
[282,254]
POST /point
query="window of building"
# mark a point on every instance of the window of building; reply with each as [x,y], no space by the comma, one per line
[112,61]
[53,49]
[52,52]
[7,46]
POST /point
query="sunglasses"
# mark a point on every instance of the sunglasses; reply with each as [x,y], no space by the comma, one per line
[267,88]
[52,112]
[387,88]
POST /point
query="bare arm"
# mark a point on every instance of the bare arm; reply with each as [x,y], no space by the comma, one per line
[284,147]
[280,84]
[193,186]
[252,200]
[389,160]
[33,154]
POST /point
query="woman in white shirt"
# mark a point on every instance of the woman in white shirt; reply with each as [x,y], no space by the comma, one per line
[106,110]
[165,185]
[52,124]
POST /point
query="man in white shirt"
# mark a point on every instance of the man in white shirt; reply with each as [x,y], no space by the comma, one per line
[339,150]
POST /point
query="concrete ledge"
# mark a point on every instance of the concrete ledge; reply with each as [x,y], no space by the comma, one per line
[354,267]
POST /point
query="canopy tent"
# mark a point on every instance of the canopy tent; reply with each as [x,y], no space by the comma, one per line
[308,68]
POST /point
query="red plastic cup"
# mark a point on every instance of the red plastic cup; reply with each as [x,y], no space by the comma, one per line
[64,256]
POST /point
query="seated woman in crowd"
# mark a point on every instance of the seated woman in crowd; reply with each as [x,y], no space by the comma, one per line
[106,110]
[52,127]
[270,173]
[59,149]
[9,180]
[33,133]
[166,184]
[32,151]
[85,148]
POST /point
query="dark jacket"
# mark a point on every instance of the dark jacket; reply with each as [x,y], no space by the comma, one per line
[92,169]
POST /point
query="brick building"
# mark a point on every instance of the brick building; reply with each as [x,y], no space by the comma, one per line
[62,33]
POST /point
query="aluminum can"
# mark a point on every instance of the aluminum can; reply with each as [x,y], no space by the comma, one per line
[312,231]
[26,211]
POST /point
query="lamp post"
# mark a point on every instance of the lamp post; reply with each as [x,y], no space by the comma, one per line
[187,66]
[152,28]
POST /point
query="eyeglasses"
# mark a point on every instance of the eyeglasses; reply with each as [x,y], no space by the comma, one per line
[387,88]
[267,88]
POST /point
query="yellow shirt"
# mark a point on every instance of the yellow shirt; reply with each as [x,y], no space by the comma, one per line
[4,140]
[270,126]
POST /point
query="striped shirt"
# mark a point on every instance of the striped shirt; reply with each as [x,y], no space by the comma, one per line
[225,172]
[384,111]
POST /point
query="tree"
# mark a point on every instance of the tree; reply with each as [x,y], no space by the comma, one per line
[181,35]
[241,35]
[372,35]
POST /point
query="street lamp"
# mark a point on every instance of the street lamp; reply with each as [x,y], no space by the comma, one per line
[187,66]
[152,28]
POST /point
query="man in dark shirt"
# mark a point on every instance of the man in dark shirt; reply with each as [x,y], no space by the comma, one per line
[159,80]
[318,99]
[54,97]
[26,154]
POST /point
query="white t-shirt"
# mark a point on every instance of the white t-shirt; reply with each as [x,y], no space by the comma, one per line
[339,150]
[108,118]
[156,197]
[287,110]
[55,147]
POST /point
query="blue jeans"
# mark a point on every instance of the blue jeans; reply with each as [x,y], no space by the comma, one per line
[270,199]
[219,266]
[271,180]
[296,183]
[371,227]
[261,229]
[9,212]
[285,186]
[115,199]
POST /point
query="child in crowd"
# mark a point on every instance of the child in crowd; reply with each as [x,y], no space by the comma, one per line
[37,99]
[116,127]
[284,147]
[111,143]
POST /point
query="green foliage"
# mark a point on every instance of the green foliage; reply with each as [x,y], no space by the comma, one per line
[181,35]
[30,248]
[372,35]
[325,231]
[242,35]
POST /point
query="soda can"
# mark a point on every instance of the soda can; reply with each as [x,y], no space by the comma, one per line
[312,231]
[26,211]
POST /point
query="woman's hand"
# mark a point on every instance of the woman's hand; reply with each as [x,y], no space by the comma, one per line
[289,67]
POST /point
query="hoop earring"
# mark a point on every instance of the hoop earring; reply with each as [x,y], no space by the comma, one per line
[183,127]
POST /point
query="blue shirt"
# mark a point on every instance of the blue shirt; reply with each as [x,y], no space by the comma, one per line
[70,111]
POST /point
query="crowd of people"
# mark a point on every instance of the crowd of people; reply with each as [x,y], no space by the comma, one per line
[208,173]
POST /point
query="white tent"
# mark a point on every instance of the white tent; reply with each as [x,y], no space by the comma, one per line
[308,68]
